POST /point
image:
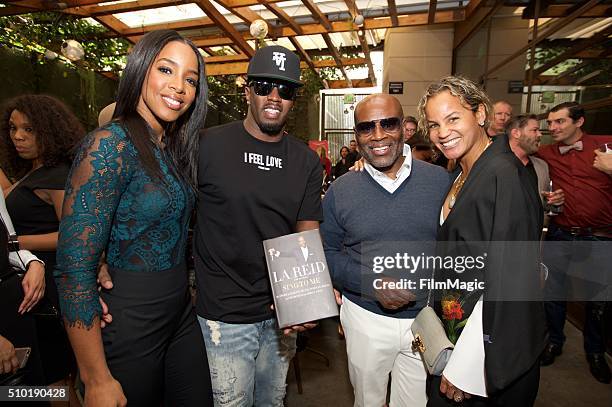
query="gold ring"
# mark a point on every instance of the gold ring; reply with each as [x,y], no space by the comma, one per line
[458,398]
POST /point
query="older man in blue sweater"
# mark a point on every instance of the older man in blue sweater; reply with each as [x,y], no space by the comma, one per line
[394,203]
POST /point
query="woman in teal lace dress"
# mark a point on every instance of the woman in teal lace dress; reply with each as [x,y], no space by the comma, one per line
[130,194]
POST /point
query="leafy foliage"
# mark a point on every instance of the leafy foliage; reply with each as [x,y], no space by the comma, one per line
[38,32]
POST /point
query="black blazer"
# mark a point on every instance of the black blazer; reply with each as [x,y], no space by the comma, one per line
[500,206]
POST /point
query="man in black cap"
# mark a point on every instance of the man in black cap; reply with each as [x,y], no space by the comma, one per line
[256,182]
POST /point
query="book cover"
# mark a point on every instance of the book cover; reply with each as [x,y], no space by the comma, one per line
[300,280]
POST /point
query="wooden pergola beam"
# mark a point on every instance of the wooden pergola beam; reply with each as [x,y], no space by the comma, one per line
[355,83]
[240,68]
[96,10]
[431,15]
[211,41]
[114,24]
[341,26]
[465,30]
[393,13]
[244,13]
[303,54]
[14,10]
[317,14]
[334,52]
[590,54]
[306,58]
[366,52]
[472,6]
[561,10]
[552,80]
[280,13]
[561,23]
[214,14]
[46,5]
[177,25]
[246,3]
[220,59]
[352,8]
[447,16]
[569,53]
[354,11]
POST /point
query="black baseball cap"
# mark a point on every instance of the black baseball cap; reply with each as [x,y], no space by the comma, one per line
[275,62]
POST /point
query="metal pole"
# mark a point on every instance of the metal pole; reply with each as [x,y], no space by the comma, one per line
[487,48]
[532,54]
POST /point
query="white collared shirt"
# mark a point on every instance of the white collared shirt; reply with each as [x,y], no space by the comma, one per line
[392,184]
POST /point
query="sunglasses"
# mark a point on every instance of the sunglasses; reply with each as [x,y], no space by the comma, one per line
[388,125]
[264,88]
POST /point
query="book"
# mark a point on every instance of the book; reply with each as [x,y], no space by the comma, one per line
[299,277]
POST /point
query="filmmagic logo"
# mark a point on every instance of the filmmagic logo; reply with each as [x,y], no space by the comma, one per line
[279,58]
[429,284]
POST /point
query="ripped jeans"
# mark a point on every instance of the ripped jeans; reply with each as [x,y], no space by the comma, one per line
[248,362]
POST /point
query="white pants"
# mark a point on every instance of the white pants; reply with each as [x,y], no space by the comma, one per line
[377,345]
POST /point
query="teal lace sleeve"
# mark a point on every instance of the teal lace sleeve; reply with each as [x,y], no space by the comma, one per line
[98,178]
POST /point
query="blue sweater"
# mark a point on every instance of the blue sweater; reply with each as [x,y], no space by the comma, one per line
[362,220]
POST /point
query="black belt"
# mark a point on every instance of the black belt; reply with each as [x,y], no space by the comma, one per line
[604,231]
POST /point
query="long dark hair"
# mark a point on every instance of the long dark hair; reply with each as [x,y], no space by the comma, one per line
[182,136]
[57,132]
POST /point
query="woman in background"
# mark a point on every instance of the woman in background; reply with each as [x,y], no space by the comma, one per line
[37,136]
[491,206]
[343,164]
[131,193]
[17,297]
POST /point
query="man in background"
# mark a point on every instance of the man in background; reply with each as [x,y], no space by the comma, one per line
[524,137]
[585,222]
[353,154]
[410,130]
[502,112]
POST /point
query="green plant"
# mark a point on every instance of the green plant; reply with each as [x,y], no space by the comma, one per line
[38,32]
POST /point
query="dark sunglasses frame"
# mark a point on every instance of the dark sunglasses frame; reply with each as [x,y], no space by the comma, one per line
[388,125]
[264,88]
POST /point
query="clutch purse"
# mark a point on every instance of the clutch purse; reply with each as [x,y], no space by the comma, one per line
[430,341]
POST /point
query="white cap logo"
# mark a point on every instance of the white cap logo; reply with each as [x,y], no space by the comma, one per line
[279,58]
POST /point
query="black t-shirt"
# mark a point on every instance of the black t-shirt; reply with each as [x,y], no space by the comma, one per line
[249,191]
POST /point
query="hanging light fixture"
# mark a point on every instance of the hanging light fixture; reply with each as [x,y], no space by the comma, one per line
[359,20]
[259,29]
[72,50]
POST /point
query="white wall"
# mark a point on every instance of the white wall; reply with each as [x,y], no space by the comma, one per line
[416,56]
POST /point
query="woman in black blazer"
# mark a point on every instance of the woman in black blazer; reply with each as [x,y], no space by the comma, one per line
[493,210]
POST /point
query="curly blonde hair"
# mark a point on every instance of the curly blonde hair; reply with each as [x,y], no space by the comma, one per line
[467,91]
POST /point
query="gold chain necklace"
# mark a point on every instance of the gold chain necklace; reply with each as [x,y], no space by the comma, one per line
[457,185]
[459,181]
